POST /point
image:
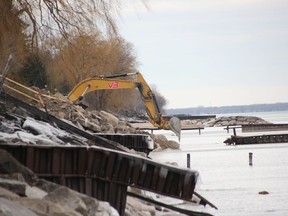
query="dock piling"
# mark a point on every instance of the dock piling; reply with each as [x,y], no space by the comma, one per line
[188,161]
[250,159]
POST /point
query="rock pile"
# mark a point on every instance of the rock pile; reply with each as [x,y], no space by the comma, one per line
[15,129]
[20,127]
[99,121]
[95,121]
[224,121]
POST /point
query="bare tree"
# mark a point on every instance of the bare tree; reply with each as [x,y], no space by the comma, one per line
[12,39]
[78,54]
[25,24]
[54,17]
[85,56]
[123,56]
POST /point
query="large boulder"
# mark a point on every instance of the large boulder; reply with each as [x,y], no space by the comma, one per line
[44,207]
[11,208]
[5,193]
[98,208]
[9,165]
[85,123]
[14,186]
[34,192]
[136,207]
[108,128]
[109,118]
[66,197]
[92,207]
[162,142]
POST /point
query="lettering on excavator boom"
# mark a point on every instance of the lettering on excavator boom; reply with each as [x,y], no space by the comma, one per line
[113,84]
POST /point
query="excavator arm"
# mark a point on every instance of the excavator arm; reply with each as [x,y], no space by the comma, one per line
[148,97]
[97,83]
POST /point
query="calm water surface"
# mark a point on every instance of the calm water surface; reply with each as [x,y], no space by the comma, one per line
[226,179]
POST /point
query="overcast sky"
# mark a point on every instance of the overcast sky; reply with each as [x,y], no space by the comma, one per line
[211,52]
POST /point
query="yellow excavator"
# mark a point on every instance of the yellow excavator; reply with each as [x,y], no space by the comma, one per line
[112,82]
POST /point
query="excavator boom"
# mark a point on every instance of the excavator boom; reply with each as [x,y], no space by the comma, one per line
[94,84]
[111,83]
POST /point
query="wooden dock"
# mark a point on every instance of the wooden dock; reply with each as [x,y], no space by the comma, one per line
[228,128]
[264,127]
[150,127]
[259,139]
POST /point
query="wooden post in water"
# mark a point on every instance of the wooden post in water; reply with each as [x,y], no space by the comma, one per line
[250,159]
[234,131]
[188,161]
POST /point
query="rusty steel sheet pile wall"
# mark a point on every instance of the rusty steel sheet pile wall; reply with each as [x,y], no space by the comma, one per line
[104,173]
[138,142]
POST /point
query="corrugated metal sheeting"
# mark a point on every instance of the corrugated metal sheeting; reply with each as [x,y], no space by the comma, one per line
[104,173]
[138,142]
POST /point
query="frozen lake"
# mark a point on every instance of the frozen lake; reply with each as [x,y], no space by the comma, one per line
[226,179]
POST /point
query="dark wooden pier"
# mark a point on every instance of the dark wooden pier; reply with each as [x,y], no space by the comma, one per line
[152,128]
[259,139]
[264,127]
[246,128]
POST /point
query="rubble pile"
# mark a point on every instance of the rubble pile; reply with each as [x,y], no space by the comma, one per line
[224,121]
[95,121]
[22,128]
[98,121]
[16,129]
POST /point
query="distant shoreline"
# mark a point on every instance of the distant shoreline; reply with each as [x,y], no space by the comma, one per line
[201,110]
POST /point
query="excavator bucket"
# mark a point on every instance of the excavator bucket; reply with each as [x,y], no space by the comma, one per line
[175,126]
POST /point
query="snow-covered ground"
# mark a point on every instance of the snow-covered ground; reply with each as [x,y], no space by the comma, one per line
[33,131]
